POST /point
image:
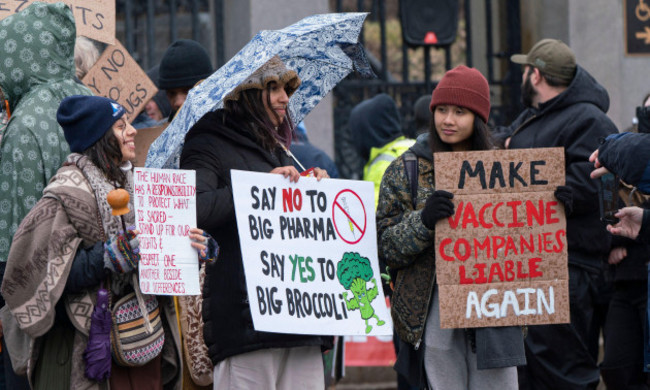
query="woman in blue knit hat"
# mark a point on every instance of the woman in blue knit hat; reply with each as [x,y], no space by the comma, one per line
[70,247]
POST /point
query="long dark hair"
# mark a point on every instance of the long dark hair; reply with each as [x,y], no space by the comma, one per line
[249,108]
[107,156]
[481,138]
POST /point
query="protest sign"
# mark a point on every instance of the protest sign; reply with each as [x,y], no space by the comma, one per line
[501,259]
[310,255]
[165,210]
[93,19]
[143,140]
[116,75]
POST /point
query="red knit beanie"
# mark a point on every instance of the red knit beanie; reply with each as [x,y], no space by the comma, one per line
[463,87]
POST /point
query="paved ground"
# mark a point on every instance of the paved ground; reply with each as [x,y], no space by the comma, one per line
[377,378]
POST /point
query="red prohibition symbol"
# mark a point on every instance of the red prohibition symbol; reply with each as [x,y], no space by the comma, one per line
[349,216]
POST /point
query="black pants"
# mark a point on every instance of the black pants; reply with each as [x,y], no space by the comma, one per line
[622,367]
[558,356]
[12,380]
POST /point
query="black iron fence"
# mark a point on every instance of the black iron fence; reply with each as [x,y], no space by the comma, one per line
[147,27]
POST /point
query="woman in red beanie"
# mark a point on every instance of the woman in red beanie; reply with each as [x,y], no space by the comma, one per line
[449,359]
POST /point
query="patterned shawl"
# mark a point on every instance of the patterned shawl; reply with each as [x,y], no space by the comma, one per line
[72,212]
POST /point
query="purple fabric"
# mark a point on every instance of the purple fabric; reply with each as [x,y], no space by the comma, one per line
[98,350]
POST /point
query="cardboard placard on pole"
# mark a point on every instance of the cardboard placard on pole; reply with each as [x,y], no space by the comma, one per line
[116,75]
[94,19]
[501,259]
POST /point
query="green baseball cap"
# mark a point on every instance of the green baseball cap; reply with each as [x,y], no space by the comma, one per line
[551,56]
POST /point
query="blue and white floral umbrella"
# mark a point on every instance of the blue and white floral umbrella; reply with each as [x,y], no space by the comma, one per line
[322,49]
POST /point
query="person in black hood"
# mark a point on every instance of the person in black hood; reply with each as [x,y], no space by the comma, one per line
[374,123]
[627,350]
[566,107]
[376,126]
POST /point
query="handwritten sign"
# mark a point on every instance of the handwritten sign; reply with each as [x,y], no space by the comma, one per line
[93,19]
[501,259]
[116,75]
[310,255]
[165,207]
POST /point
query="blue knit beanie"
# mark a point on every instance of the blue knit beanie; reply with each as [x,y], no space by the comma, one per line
[85,119]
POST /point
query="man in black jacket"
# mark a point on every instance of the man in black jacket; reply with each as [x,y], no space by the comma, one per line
[566,107]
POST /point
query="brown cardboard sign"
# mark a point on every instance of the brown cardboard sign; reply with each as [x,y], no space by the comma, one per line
[143,141]
[501,259]
[495,171]
[94,19]
[116,75]
[503,304]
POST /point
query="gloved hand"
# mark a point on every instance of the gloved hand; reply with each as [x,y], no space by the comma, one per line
[565,195]
[211,253]
[122,252]
[438,206]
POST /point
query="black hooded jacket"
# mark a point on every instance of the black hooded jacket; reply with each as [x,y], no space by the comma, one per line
[575,120]
[374,123]
[213,146]
[628,156]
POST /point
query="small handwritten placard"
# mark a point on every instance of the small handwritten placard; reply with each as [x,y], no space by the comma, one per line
[165,207]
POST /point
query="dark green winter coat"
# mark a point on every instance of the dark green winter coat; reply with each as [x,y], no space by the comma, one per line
[36,72]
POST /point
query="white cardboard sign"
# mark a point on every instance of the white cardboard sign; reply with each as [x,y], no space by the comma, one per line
[165,207]
[310,255]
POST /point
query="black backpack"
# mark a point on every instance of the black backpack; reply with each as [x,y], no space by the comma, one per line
[411,167]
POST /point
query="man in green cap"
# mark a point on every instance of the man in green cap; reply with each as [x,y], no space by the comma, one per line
[566,107]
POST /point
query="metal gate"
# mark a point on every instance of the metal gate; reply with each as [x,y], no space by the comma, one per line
[147,27]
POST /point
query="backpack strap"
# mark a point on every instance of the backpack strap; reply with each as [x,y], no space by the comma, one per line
[411,167]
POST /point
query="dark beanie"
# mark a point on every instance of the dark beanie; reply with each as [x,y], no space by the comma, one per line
[421,111]
[184,64]
[85,119]
[159,98]
[463,87]
[374,122]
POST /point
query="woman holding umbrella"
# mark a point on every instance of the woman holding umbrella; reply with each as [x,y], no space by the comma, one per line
[251,132]
[71,248]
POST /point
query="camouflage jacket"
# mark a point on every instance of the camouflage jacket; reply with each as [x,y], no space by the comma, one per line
[406,245]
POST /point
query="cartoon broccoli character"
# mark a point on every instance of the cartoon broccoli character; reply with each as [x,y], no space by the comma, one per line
[353,272]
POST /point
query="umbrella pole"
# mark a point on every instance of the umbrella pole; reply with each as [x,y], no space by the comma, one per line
[293,157]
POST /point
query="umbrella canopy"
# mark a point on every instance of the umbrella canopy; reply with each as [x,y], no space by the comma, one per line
[322,49]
